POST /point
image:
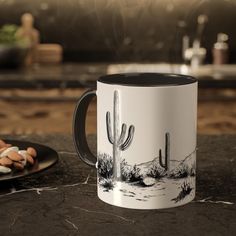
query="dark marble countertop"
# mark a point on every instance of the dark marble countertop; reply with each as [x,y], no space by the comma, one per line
[63,201]
[80,75]
[66,75]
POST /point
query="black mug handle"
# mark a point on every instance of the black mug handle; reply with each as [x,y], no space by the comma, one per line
[79,134]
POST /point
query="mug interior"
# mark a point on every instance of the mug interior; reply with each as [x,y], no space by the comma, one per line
[147,79]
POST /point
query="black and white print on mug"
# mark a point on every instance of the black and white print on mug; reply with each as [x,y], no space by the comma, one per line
[142,181]
[146,140]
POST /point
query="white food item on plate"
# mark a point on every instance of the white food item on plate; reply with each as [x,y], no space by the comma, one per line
[23,153]
[4,170]
[10,149]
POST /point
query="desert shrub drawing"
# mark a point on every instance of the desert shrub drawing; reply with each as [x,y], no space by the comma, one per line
[136,180]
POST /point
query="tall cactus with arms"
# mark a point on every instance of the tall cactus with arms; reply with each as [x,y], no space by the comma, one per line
[117,136]
[166,163]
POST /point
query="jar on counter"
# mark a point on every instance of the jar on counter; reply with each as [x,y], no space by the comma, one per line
[221,50]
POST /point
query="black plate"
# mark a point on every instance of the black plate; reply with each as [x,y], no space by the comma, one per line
[46,158]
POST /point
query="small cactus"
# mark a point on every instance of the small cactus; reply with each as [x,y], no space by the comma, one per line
[166,163]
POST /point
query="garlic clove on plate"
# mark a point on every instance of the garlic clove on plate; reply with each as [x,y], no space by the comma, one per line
[23,153]
[8,150]
[4,170]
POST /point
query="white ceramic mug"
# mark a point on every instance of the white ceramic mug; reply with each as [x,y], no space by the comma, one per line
[146,139]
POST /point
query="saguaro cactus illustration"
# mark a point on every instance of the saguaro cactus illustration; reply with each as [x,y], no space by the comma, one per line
[166,163]
[117,136]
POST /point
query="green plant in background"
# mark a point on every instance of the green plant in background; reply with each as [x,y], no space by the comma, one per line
[8,36]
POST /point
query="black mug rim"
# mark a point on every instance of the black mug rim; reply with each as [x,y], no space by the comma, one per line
[147,79]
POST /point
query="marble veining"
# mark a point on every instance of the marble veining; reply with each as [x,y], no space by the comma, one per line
[207,200]
[72,224]
[104,213]
[63,199]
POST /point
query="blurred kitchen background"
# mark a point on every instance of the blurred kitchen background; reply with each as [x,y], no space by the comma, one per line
[51,51]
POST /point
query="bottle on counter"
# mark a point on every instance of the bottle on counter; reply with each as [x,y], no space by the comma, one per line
[221,50]
[32,35]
